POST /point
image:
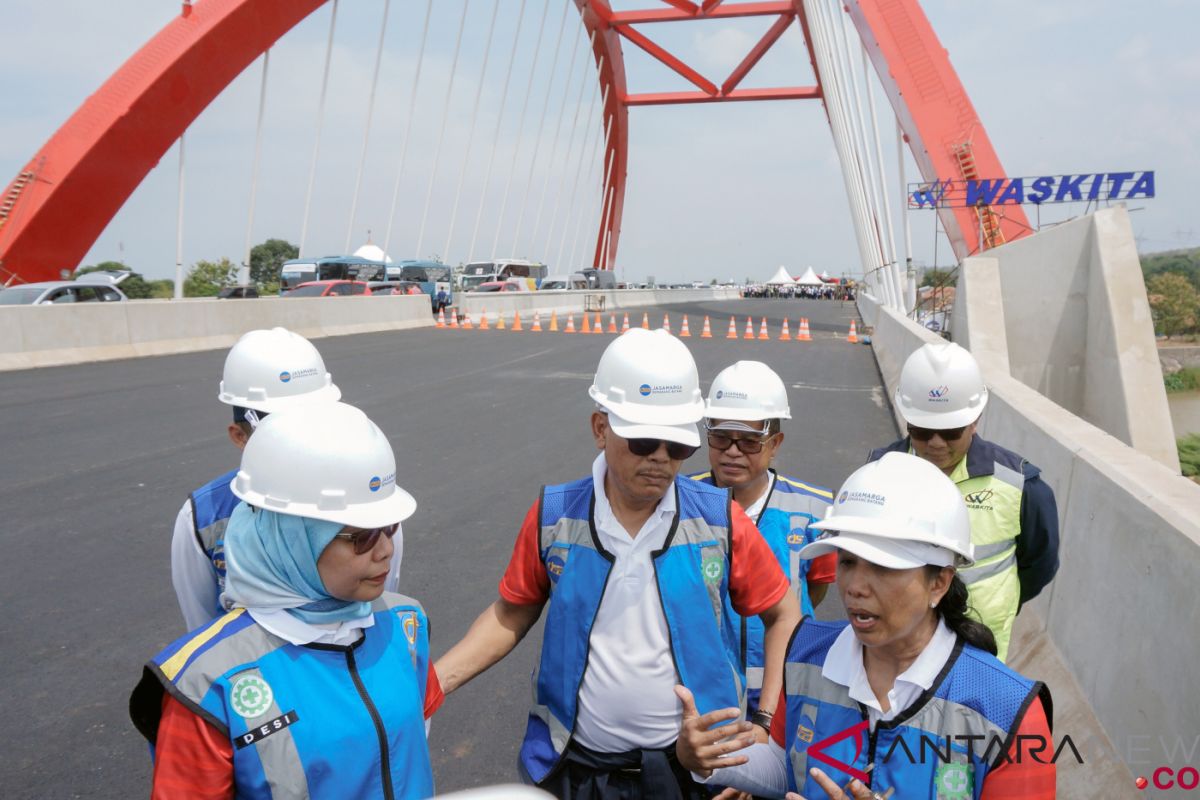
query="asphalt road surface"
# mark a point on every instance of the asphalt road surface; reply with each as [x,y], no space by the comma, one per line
[97,459]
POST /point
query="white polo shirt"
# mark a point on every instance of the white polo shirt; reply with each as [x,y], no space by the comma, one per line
[627,699]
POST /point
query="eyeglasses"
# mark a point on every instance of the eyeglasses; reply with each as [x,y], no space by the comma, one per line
[364,540]
[925,434]
[748,445]
[675,450]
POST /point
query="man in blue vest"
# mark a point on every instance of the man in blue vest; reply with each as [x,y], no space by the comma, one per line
[744,409]
[636,567]
[266,371]
[1014,517]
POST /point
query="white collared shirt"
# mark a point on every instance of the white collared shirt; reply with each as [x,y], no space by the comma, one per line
[756,507]
[627,699]
[299,632]
[844,666]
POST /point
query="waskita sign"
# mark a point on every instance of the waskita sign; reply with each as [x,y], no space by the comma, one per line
[1088,187]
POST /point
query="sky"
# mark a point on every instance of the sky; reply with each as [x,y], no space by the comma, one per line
[725,191]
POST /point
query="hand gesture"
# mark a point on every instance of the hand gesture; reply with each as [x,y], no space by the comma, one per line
[854,790]
[702,750]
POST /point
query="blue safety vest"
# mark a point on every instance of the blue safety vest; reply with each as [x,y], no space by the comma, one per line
[948,740]
[212,506]
[790,507]
[300,718]
[692,573]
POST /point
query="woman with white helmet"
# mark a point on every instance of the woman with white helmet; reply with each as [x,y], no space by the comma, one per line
[316,682]
[864,699]
[266,372]
[743,419]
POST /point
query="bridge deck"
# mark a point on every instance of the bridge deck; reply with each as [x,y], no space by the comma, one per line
[100,457]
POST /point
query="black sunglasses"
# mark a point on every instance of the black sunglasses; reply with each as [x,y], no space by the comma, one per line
[748,445]
[364,540]
[675,450]
[947,434]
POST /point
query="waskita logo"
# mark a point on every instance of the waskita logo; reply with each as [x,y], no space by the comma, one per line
[979,499]
[938,394]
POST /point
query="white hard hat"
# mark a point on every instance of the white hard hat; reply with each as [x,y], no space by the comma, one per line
[899,512]
[325,462]
[648,380]
[274,370]
[941,388]
[748,390]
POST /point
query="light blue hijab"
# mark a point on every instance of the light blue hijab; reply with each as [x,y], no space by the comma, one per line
[271,564]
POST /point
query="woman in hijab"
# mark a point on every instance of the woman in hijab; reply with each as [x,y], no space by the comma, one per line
[315,683]
[905,698]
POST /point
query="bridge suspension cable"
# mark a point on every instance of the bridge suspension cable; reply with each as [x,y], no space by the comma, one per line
[362,160]
[537,50]
[591,204]
[312,172]
[244,270]
[583,157]
[537,142]
[437,153]
[487,175]
[462,173]
[412,107]
[565,171]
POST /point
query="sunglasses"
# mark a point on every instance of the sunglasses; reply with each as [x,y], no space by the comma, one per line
[364,540]
[747,445]
[675,450]
[947,434]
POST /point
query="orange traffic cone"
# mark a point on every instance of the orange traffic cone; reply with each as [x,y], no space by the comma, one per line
[483,323]
[537,322]
[785,335]
[762,331]
[803,335]
[749,334]
[706,331]
[453,318]
[684,332]
[467,321]
[667,323]
[500,322]
[853,337]
[612,323]
[554,321]
[516,326]
[598,325]
[587,325]
[441,319]
[625,323]
[732,329]
[570,324]
[645,320]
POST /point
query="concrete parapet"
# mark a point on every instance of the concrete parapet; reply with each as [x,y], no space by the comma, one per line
[41,336]
[1114,636]
[567,301]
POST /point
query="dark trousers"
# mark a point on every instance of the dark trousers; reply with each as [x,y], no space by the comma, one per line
[636,775]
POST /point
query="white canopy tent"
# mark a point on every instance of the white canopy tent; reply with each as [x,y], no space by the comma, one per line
[781,278]
[809,278]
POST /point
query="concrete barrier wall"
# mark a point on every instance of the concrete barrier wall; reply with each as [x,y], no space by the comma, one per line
[1067,312]
[506,304]
[43,336]
[1115,635]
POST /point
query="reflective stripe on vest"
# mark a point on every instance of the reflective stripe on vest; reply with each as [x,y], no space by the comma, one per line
[212,506]
[291,741]
[692,575]
[967,716]
[994,508]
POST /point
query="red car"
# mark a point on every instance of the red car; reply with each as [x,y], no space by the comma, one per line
[328,289]
[499,286]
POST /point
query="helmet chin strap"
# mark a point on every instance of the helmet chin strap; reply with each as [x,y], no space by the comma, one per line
[253,418]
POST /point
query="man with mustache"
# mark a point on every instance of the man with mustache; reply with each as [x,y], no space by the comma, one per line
[638,569]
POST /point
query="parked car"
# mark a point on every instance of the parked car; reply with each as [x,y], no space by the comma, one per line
[394,287]
[94,287]
[236,292]
[328,289]
[575,280]
[500,286]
